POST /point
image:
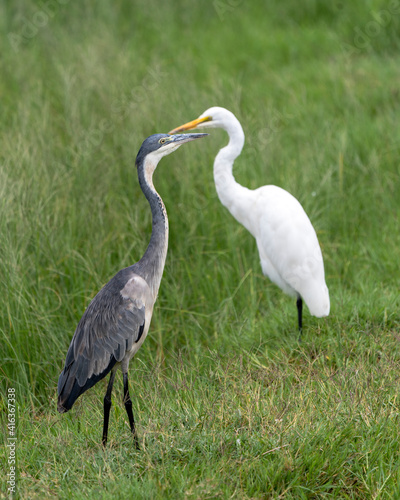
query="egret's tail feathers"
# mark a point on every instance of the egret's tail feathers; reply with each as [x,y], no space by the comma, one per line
[317,301]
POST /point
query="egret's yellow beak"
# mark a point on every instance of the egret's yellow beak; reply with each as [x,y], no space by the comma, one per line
[190,125]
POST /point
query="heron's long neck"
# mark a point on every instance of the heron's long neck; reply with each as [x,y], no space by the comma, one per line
[152,263]
[231,194]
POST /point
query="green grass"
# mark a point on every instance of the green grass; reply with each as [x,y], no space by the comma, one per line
[228,403]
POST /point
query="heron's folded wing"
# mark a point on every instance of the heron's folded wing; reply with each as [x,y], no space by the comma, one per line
[112,323]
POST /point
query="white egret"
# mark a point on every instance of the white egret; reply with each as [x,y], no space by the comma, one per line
[287,243]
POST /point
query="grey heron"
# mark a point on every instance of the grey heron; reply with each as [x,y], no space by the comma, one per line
[117,320]
[287,242]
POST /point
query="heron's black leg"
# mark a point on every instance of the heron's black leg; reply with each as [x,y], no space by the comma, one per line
[107,407]
[128,407]
[299,304]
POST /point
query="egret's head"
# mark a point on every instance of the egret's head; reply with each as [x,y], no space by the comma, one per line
[159,145]
[214,117]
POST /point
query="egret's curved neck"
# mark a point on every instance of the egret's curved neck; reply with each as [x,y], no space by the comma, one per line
[223,163]
[151,265]
[231,194]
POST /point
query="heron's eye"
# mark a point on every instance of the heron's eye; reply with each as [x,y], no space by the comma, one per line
[162,141]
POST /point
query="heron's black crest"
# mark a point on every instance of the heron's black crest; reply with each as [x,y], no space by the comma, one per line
[149,145]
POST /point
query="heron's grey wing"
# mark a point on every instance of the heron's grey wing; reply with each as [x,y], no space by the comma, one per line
[112,323]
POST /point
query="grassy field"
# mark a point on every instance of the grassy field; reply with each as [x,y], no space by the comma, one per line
[228,403]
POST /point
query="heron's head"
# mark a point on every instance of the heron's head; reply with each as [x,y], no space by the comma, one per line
[214,117]
[159,145]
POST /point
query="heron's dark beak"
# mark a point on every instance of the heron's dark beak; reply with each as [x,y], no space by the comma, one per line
[182,138]
[190,125]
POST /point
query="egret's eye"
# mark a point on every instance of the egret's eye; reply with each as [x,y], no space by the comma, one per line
[162,140]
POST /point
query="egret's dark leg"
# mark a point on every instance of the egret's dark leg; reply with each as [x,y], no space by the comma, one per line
[299,304]
[107,407]
[128,407]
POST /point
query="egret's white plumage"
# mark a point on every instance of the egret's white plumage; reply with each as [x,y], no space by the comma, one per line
[287,243]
